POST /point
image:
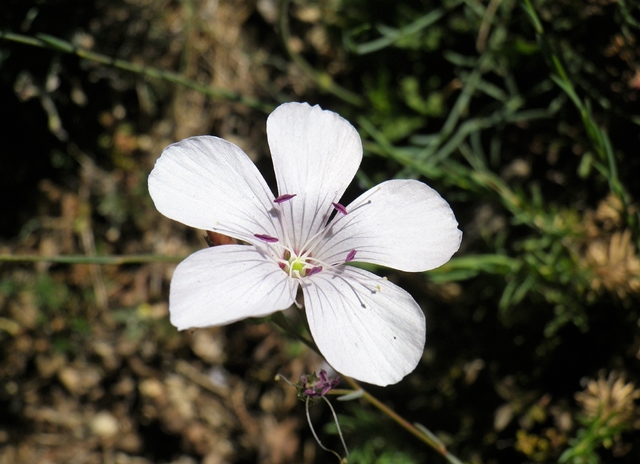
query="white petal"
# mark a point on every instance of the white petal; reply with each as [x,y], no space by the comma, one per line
[224,284]
[208,183]
[401,224]
[365,326]
[315,155]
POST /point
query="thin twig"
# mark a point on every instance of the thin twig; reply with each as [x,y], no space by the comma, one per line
[395,416]
[428,438]
[306,406]
[81,259]
[335,419]
[54,43]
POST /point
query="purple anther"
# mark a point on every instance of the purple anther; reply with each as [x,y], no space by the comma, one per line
[324,377]
[283,198]
[329,386]
[266,238]
[316,386]
[350,256]
[325,384]
[340,208]
[313,270]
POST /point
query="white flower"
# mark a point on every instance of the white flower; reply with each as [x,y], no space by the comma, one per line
[365,326]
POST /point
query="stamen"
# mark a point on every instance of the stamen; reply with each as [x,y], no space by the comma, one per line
[340,208]
[350,256]
[243,235]
[313,270]
[276,217]
[364,200]
[266,238]
[315,262]
[284,197]
[311,242]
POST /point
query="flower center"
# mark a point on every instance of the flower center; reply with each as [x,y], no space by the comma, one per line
[297,265]
[300,264]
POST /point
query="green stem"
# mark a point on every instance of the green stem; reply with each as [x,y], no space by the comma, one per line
[80,259]
[335,419]
[54,43]
[313,431]
[429,438]
[438,446]
[279,319]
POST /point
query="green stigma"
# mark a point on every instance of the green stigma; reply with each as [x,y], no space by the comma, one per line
[298,265]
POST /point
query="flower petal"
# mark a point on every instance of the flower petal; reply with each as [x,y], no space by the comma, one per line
[365,326]
[401,224]
[209,183]
[315,155]
[224,284]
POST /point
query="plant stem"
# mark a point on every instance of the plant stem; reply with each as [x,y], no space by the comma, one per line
[429,438]
[435,444]
[54,43]
[80,259]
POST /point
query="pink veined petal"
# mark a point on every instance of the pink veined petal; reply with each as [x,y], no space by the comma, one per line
[315,155]
[224,284]
[401,224]
[209,183]
[365,326]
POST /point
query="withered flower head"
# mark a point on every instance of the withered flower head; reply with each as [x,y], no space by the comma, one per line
[609,251]
[610,400]
[615,264]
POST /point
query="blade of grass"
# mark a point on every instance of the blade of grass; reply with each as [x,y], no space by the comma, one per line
[54,43]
